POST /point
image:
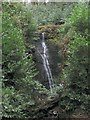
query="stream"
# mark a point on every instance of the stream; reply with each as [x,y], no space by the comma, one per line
[45,58]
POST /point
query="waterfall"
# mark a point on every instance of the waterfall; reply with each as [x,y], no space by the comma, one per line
[46,64]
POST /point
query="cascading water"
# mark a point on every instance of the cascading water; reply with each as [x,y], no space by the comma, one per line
[46,65]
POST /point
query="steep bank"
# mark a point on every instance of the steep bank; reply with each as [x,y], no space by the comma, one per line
[53,48]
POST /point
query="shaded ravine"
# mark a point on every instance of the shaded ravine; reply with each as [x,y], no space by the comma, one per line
[45,56]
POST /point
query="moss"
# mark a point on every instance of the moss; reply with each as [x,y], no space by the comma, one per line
[48,28]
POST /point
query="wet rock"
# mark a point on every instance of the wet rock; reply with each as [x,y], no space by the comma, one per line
[72,38]
[60,22]
[45,35]
[33,50]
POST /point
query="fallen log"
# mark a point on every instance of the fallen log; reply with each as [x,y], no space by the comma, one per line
[48,108]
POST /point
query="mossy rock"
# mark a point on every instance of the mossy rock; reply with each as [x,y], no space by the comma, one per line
[48,28]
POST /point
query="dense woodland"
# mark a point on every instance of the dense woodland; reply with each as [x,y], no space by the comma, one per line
[66,27]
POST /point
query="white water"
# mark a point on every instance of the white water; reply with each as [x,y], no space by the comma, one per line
[46,63]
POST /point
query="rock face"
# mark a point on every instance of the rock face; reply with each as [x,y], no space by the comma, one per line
[52,60]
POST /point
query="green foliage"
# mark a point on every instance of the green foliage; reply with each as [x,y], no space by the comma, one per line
[77,23]
[21,92]
[19,103]
[76,77]
[75,95]
[13,46]
[79,18]
[51,13]
[28,25]
[19,86]
[13,103]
